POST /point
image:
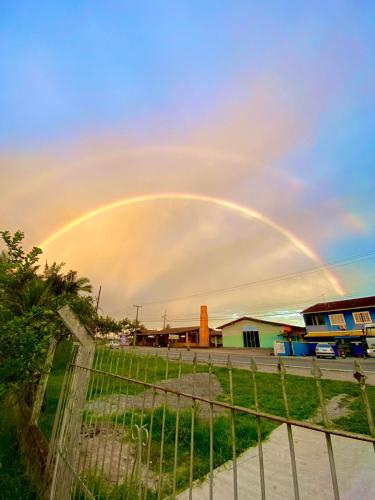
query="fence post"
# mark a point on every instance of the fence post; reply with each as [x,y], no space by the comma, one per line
[317,374]
[67,450]
[254,369]
[361,378]
[282,372]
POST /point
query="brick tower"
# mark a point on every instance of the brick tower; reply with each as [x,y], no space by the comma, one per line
[204,336]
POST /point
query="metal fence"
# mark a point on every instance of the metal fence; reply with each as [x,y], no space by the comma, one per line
[135,426]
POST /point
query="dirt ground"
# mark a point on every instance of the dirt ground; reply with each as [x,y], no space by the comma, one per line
[105,450]
[336,407]
[110,450]
[119,403]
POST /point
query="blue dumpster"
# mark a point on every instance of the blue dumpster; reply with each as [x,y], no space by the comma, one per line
[286,348]
[357,349]
[311,348]
[300,349]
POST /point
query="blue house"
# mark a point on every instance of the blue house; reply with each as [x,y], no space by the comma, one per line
[352,319]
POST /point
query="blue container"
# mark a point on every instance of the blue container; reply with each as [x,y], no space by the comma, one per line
[357,350]
[288,351]
[311,348]
[335,347]
[300,349]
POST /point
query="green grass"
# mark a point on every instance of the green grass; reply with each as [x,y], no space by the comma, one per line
[101,490]
[302,396]
[246,436]
[134,366]
[61,359]
[14,483]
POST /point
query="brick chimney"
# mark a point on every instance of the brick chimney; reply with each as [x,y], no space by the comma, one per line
[204,336]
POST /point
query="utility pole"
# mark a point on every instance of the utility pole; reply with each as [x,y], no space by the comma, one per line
[97,299]
[136,324]
[96,310]
[165,320]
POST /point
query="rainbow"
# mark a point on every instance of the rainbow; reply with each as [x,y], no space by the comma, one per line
[230,205]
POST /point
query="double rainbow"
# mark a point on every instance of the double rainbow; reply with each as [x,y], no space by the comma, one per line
[230,205]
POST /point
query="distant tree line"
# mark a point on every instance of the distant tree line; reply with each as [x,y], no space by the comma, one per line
[107,324]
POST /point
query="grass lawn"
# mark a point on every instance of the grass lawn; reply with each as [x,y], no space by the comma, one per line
[62,358]
[302,392]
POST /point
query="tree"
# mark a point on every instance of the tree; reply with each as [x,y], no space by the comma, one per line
[65,283]
[28,305]
[107,324]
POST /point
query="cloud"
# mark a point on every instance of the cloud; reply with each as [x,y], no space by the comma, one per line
[169,249]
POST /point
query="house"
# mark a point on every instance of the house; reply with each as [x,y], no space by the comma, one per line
[340,319]
[186,336]
[252,332]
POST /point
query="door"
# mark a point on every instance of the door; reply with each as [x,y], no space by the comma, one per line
[250,339]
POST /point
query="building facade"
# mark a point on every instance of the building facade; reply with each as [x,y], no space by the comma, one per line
[252,332]
[186,336]
[339,319]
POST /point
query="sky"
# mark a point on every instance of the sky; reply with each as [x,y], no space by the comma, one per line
[181,153]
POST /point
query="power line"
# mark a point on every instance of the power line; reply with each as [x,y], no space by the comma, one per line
[345,262]
[266,280]
[264,312]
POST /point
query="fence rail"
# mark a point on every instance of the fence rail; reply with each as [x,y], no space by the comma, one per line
[220,358]
[152,427]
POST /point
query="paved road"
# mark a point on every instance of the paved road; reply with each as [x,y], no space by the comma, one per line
[242,359]
[334,369]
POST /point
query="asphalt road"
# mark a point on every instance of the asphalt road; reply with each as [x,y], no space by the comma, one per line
[241,359]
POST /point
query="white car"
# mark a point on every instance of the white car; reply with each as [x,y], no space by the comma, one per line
[371,352]
[324,350]
[113,344]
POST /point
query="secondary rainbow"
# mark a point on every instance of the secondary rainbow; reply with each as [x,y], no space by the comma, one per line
[230,205]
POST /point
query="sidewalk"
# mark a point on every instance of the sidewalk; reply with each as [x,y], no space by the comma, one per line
[355,464]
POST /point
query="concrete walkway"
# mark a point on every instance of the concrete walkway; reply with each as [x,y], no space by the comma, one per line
[355,464]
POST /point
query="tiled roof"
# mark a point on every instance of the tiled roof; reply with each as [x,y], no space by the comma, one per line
[249,318]
[340,305]
[182,329]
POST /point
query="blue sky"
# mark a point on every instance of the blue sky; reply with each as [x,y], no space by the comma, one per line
[66,64]
[73,73]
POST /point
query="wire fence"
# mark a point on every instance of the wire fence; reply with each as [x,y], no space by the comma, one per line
[138,426]
[220,357]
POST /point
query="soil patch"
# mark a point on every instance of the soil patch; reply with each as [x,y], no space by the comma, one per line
[119,403]
[105,449]
[336,407]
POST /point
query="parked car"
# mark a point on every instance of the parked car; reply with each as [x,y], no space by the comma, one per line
[113,344]
[324,350]
[370,351]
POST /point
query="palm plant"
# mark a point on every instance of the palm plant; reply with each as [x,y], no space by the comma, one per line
[62,283]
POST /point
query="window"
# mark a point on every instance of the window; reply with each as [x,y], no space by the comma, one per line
[362,317]
[315,319]
[319,319]
[337,319]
